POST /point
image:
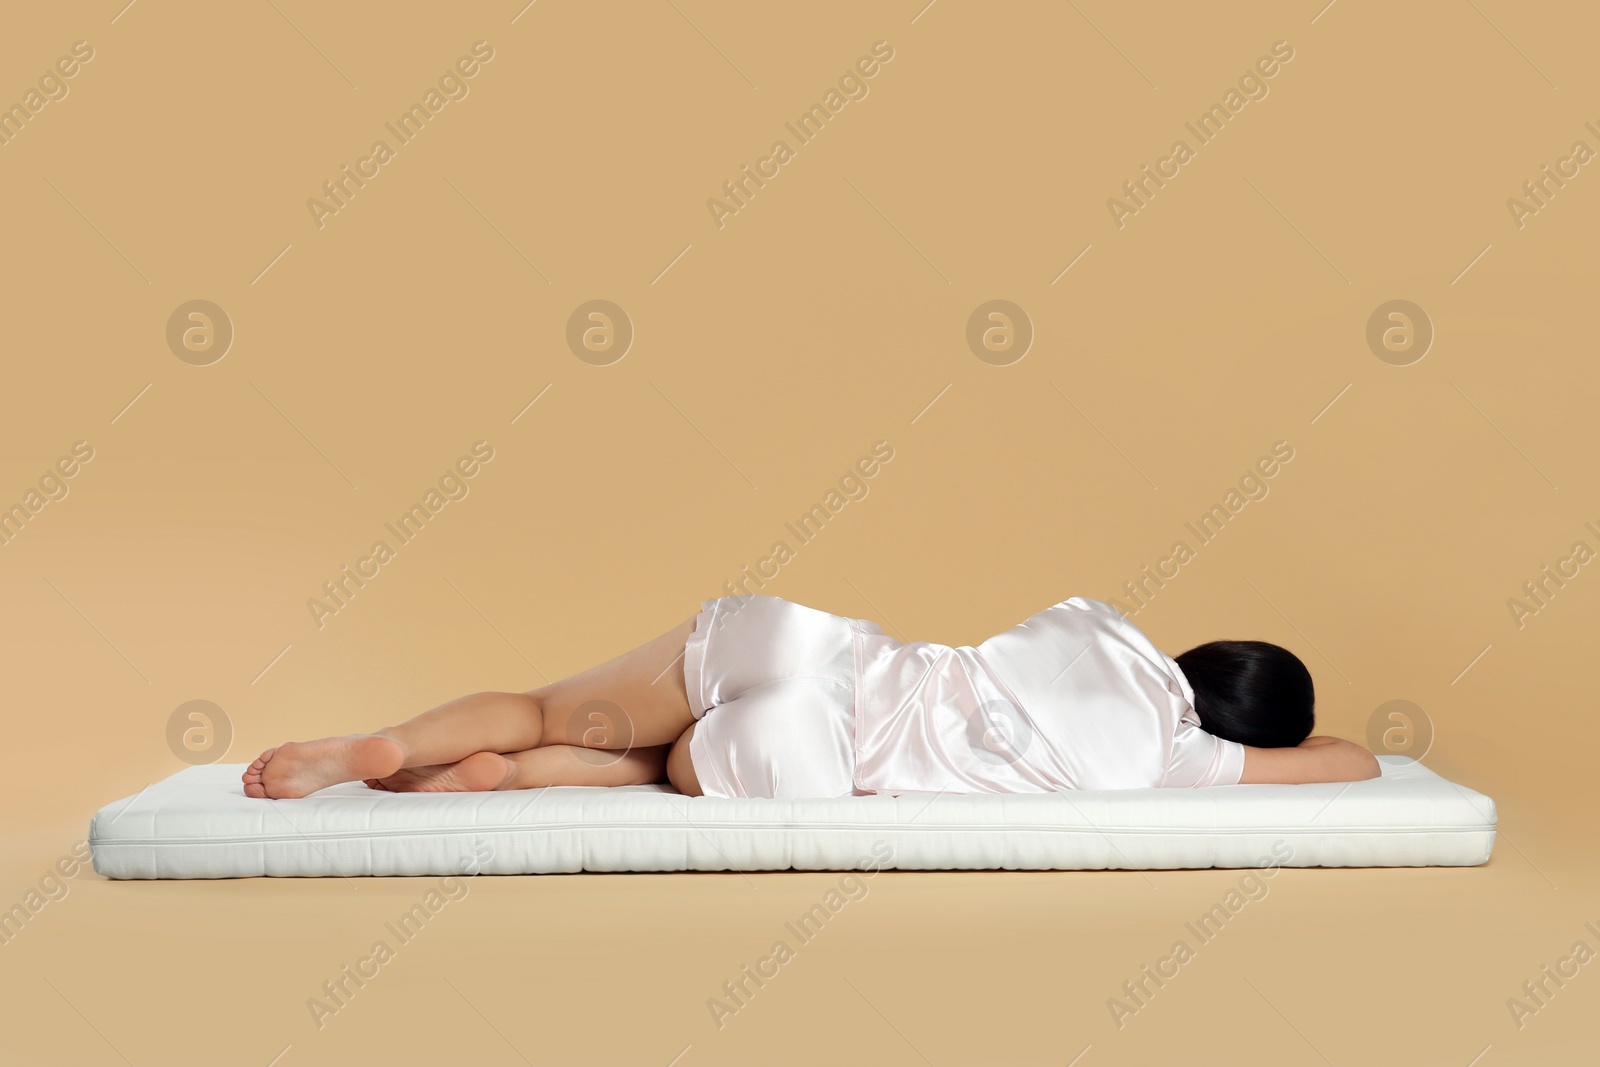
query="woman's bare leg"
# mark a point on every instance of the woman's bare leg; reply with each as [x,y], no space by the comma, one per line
[478,722]
[534,768]
[635,701]
[572,765]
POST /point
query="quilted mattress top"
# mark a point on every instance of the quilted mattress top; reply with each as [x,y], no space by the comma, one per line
[199,824]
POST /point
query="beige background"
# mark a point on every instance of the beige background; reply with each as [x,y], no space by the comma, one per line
[829,313]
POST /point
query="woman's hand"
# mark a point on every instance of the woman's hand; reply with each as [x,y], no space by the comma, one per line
[1316,759]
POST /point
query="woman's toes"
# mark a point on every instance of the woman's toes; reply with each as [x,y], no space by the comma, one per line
[252,775]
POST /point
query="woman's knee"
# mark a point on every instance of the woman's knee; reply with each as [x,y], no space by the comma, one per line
[680,768]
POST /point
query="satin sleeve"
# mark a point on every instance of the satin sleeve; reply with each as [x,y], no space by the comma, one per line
[1202,759]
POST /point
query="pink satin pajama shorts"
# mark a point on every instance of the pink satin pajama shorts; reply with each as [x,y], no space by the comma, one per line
[773,685]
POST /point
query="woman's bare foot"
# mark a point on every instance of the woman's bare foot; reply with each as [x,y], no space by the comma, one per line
[300,768]
[478,773]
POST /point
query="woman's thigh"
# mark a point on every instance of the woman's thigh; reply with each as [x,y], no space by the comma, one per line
[636,700]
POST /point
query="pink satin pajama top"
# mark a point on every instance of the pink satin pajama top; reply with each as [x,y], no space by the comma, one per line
[1075,697]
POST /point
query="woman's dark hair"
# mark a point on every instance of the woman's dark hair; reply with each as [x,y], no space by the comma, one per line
[1252,692]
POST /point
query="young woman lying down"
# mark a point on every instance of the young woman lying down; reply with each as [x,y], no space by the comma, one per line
[760,697]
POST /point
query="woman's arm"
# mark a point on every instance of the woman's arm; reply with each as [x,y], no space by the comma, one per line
[1316,759]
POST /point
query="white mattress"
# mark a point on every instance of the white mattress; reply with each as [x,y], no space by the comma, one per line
[199,824]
